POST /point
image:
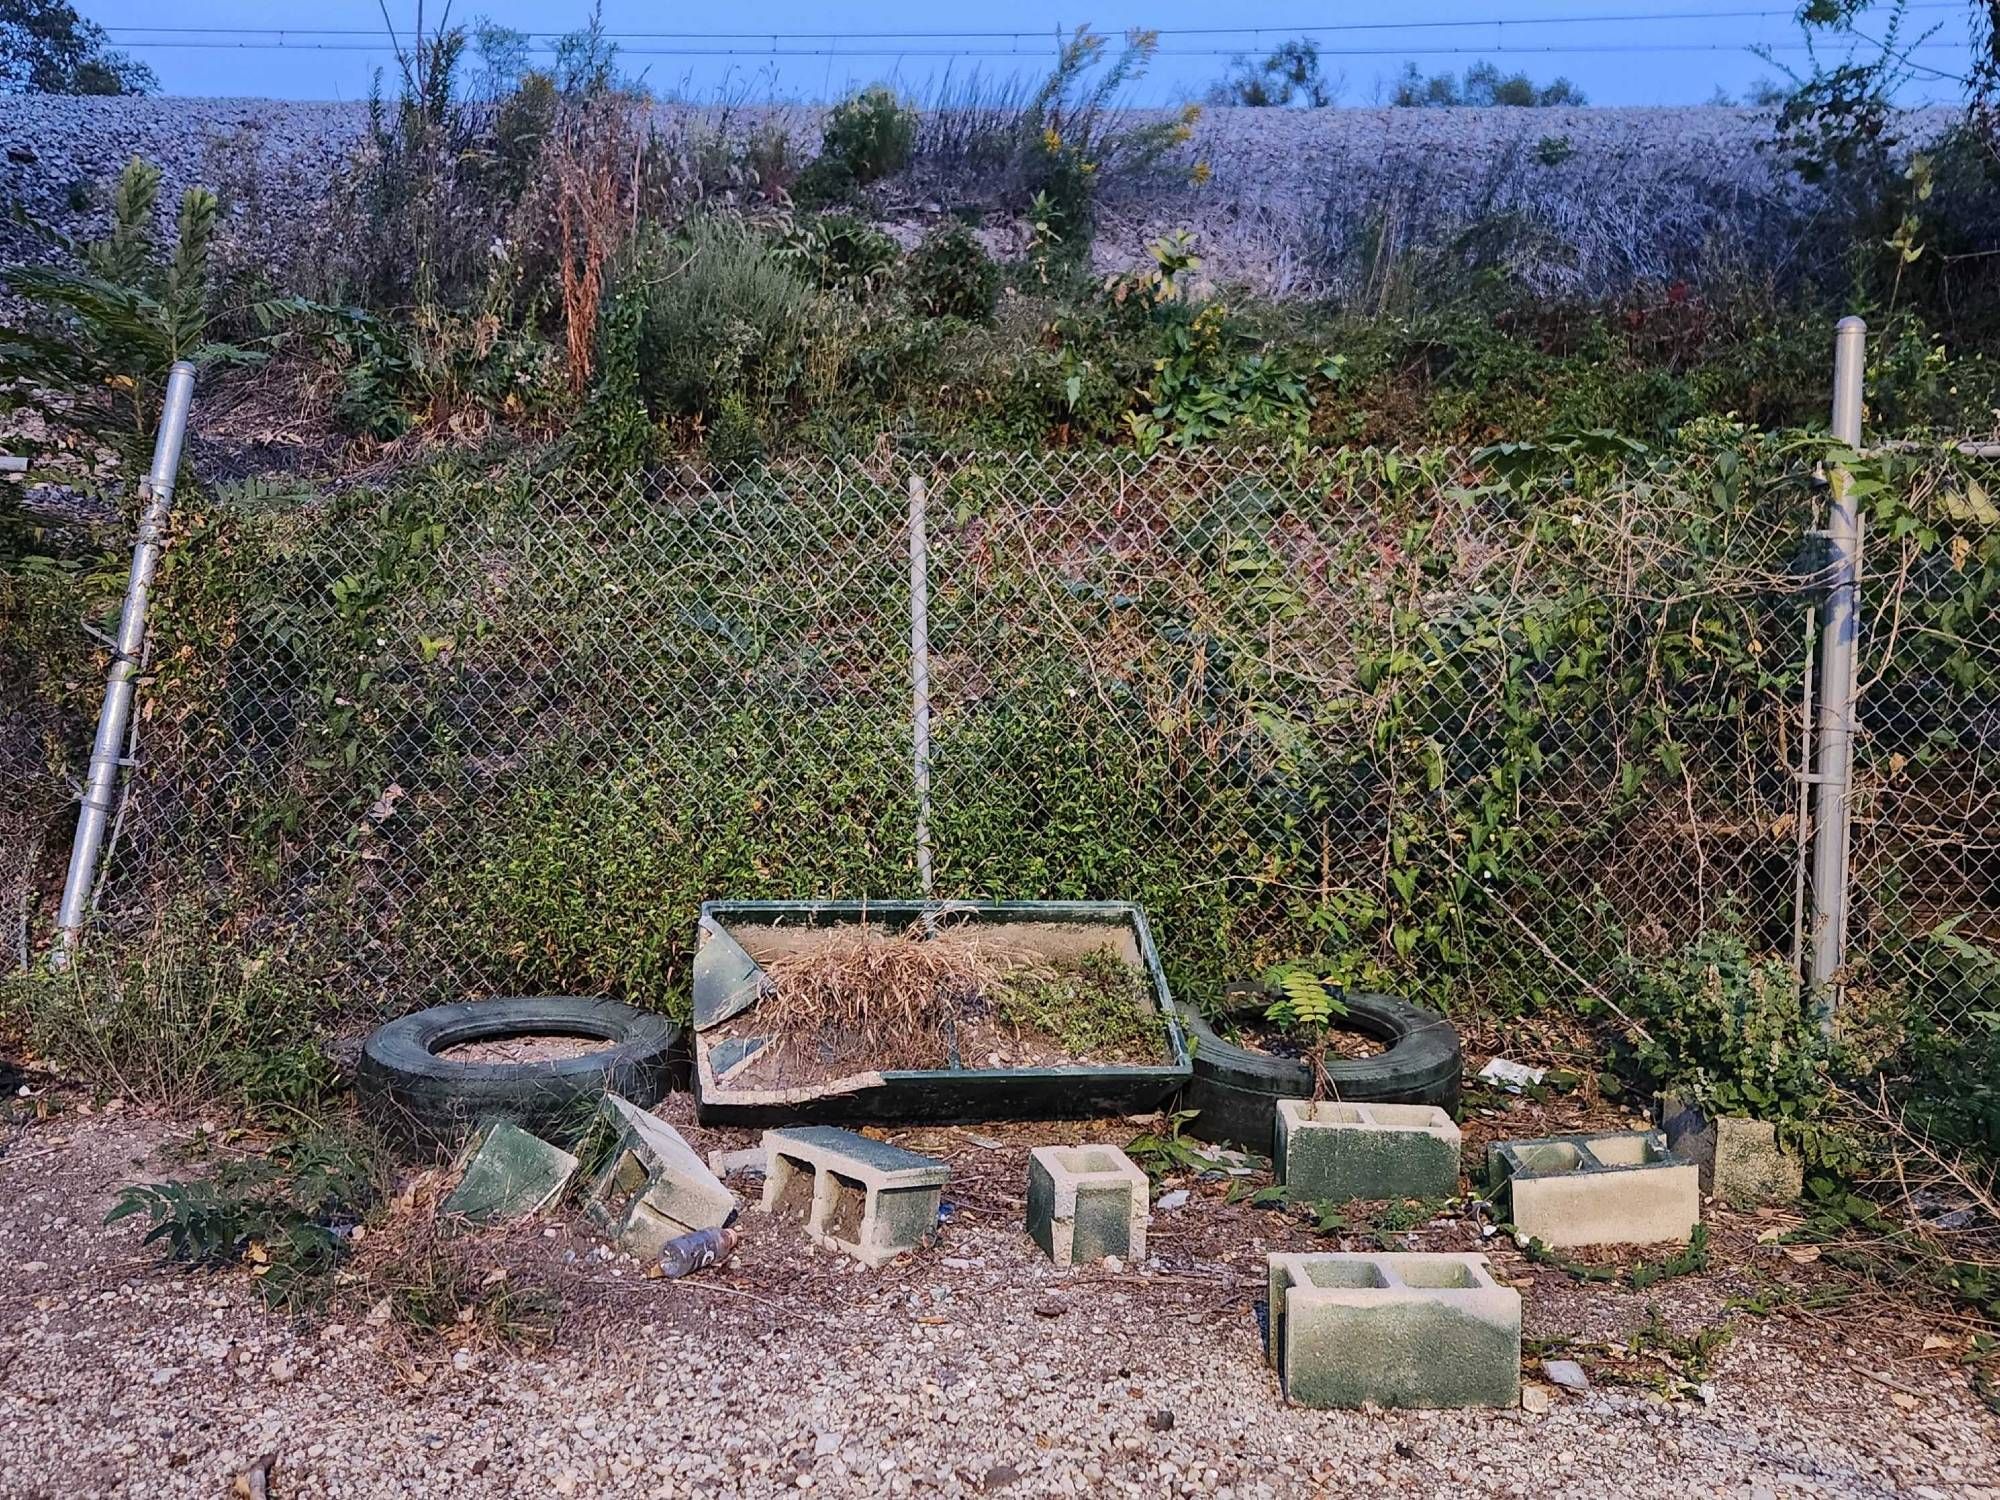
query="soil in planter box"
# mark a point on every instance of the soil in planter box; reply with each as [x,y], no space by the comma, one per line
[865,1000]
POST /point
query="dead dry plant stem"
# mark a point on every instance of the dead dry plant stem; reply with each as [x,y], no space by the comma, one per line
[1897,1123]
[1563,964]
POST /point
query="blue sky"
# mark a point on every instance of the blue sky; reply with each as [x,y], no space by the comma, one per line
[1681,57]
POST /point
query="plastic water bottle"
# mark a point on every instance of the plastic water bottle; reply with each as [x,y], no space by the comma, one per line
[697,1251]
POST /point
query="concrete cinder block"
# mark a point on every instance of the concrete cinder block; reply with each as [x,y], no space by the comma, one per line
[864,1198]
[649,1186]
[1415,1331]
[1086,1202]
[506,1173]
[1620,1188]
[1740,1161]
[1333,1152]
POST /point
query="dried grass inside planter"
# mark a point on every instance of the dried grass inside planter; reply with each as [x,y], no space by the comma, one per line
[891,999]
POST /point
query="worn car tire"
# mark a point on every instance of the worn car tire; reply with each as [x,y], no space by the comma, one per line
[417,1096]
[1236,1090]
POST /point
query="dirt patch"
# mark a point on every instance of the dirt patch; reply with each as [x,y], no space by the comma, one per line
[534,1048]
[1274,1040]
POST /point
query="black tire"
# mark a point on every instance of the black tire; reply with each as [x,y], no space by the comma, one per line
[416,1096]
[1236,1090]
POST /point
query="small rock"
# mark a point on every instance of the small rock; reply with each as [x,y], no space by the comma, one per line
[1536,1399]
[1161,1421]
[999,1477]
[1113,1264]
[1176,1199]
[281,1372]
[1566,1373]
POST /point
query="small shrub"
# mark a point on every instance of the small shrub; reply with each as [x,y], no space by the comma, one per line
[841,252]
[1731,1033]
[952,276]
[870,135]
[728,315]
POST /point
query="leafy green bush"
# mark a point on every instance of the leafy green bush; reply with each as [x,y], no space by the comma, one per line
[283,1211]
[728,315]
[870,135]
[841,252]
[952,276]
[115,324]
[1730,1032]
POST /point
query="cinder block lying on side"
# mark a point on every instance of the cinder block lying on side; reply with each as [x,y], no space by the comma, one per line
[649,1186]
[1329,1151]
[508,1174]
[865,1198]
[1398,1330]
[1086,1202]
[1740,1161]
[1622,1188]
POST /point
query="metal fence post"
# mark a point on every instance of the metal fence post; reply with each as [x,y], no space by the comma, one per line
[1834,761]
[107,751]
[920,677]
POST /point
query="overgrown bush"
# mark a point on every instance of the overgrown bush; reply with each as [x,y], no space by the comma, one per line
[952,276]
[727,315]
[1731,1032]
[866,137]
[841,252]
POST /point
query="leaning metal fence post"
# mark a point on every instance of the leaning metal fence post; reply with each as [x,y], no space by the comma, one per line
[920,678]
[1834,763]
[106,752]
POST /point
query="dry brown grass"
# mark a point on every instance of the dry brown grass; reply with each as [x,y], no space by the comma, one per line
[892,997]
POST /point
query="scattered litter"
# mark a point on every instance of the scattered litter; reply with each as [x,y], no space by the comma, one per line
[1568,1374]
[1176,1199]
[983,1142]
[696,1252]
[1510,1075]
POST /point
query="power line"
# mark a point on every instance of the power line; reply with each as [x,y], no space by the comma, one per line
[1331,28]
[385,48]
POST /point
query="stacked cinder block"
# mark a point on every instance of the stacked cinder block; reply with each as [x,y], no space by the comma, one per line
[1086,1202]
[1329,1151]
[1619,1188]
[1396,1330]
[865,1198]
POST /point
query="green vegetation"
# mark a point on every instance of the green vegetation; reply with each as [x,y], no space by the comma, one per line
[47,48]
[1098,1007]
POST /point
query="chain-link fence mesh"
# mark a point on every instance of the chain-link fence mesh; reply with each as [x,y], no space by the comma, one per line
[1478,726]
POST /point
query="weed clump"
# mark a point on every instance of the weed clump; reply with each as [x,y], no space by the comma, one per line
[952,276]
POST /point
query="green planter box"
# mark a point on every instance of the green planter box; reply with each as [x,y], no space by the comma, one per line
[729,979]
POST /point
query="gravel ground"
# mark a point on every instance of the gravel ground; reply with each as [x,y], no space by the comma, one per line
[974,1368]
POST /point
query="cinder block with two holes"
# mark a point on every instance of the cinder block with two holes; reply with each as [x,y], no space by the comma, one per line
[1620,1188]
[1334,1152]
[648,1185]
[864,1198]
[1086,1202]
[1414,1331]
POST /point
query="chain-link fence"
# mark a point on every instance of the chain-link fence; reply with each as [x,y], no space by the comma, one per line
[1478,725]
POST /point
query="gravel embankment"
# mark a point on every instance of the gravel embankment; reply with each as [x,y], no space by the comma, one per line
[972,1369]
[1296,200]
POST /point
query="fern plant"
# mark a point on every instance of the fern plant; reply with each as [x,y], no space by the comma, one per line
[118,317]
[1307,1004]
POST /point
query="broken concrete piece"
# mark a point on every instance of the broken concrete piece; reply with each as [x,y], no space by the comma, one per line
[864,1198]
[1418,1331]
[1621,1188]
[1332,1152]
[1566,1373]
[507,1173]
[650,1186]
[1086,1203]
[727,1163]
[1739,1160]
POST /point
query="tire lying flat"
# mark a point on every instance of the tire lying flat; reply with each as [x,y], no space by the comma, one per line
[1236,1090]
[419,1097]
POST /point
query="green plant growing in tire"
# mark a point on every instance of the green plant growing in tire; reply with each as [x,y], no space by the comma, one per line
[1307,1005]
